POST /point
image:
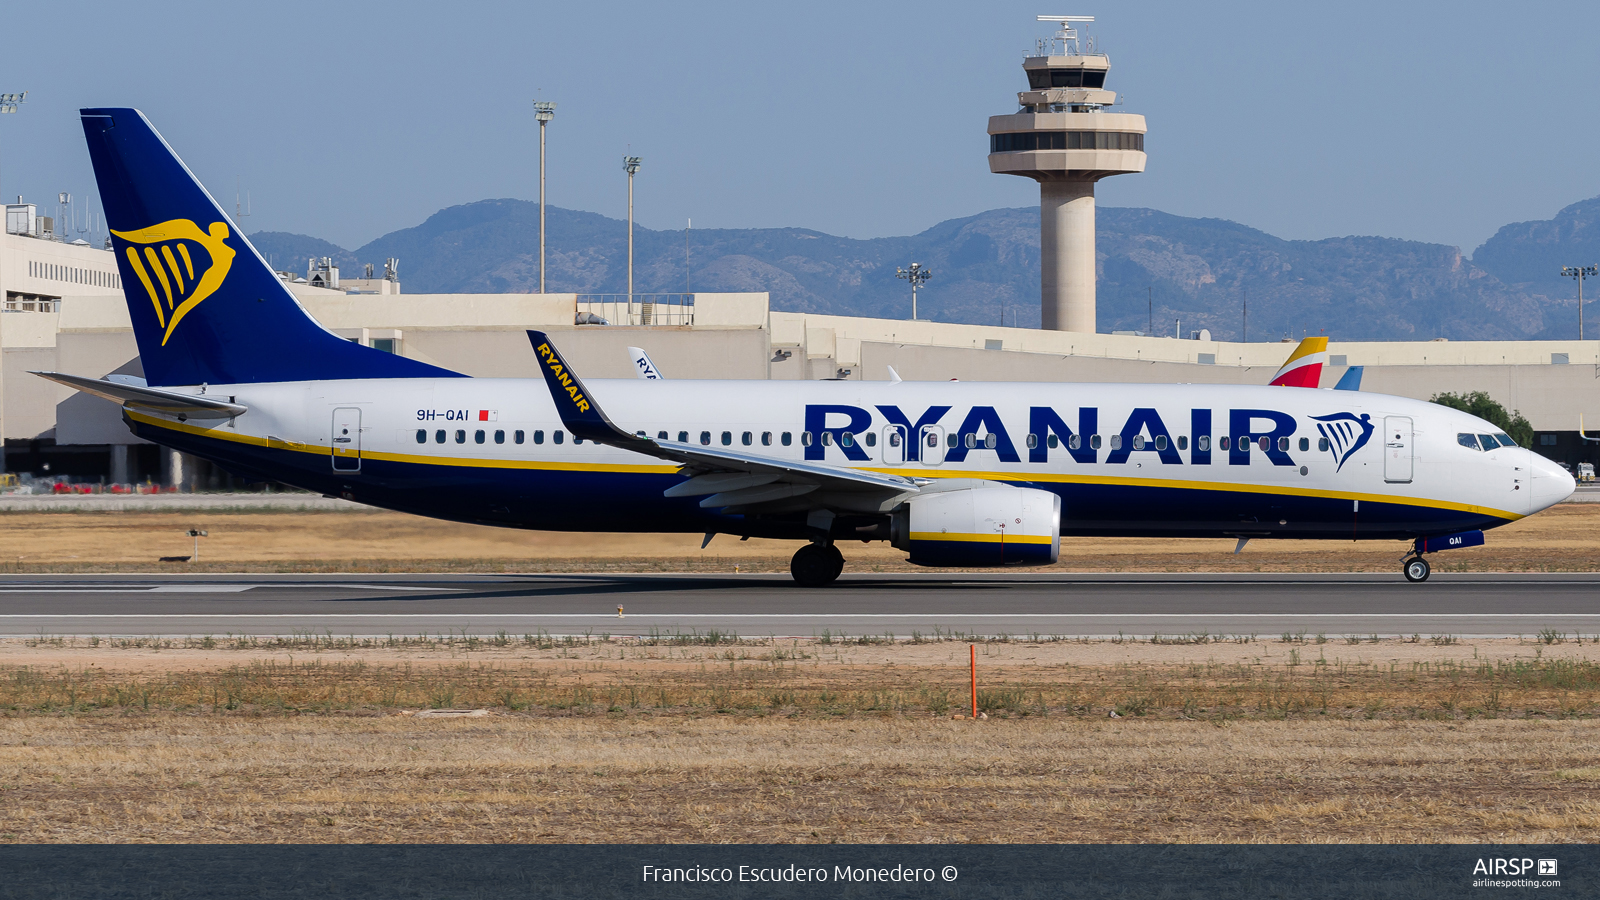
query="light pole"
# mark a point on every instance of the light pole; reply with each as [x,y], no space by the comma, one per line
[544,111]
[1579,273]
[916,275]
[8,104]
[630,164]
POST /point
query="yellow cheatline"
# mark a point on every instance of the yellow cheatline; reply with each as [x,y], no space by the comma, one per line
[985,538]
[1179,484]
[220,434]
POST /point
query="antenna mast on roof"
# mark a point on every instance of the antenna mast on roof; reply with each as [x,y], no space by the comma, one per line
[1066,39]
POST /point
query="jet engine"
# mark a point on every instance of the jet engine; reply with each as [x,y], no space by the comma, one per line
[989,525]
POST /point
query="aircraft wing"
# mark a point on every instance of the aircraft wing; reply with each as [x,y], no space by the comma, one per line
[731,477]
[134,396]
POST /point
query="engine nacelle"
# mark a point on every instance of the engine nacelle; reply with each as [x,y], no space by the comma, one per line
[981,526]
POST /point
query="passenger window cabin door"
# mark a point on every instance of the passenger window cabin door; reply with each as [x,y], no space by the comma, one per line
[1398,449]
[894,445]
[346,439]
[930,445]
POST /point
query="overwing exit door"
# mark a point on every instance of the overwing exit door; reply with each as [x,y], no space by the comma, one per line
[1398,449]
[346,439]
[894,445]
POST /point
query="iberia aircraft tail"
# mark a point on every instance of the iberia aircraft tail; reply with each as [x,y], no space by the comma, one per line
[1304,366]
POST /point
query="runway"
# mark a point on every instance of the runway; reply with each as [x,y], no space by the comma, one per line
[770,605]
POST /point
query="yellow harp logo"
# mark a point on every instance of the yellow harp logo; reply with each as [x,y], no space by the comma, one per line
[164,252]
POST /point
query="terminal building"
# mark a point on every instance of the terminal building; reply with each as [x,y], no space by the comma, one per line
[64,311]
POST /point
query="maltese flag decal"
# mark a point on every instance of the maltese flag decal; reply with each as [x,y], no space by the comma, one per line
[488,415]
[1304,366]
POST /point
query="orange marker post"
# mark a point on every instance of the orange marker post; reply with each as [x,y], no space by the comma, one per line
[974,650]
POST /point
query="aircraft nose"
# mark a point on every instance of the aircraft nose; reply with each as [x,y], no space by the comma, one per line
[1551,484]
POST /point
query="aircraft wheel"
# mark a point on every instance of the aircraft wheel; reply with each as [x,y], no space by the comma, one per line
[1417,570]
[815,565]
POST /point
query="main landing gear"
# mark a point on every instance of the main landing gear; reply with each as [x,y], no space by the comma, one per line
[815,565]
[1416,569]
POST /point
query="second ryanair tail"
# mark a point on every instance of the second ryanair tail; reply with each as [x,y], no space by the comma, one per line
[206,307]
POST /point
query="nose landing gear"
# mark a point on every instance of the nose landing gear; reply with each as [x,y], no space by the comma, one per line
[1416,569]
[815,565]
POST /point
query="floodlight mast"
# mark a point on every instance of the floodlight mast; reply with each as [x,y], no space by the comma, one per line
[9,104]
[630,164]
[916,275]
[543,111]
[1580,274]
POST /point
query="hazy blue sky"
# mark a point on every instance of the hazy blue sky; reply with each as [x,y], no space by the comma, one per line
[1433,121]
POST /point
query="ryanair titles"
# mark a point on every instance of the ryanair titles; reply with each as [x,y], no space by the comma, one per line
[558,371]
[929,438]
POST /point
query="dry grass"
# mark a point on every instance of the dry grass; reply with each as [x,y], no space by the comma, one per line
[1564,538]
[678,740]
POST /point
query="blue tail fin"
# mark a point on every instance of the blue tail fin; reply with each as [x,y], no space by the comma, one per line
[1351,380]
[206,308]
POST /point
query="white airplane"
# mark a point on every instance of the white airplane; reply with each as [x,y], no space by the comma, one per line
[953,473]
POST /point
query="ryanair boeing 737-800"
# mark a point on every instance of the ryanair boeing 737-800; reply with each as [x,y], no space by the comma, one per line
[955,474]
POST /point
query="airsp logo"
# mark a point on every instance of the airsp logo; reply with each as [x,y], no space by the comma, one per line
[188,265]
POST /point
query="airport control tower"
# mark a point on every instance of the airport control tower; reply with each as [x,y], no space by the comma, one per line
[1063,138]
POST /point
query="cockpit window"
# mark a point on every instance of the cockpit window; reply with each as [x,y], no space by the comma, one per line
[1489,442]
[1470,441]
[1506,441]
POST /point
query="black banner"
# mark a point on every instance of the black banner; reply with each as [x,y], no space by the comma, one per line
[672,871]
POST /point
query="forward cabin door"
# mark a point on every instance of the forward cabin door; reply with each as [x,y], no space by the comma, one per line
[346,439]
[1398,449]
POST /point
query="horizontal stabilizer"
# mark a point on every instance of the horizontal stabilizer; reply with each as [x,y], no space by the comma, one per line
[134,396]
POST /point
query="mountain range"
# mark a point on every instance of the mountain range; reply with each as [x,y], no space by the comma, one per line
[1203,272]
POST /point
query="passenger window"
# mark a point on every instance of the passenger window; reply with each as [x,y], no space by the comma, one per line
[1073,443]
[727,438]
[827,439]
[1053,442]
[787,440]
[438,436]
[747,439]
[933,439]
[1138,442]
[1183,442]
[894,438]
[461,435]
[971,440]
[705,438]
[1094,442]
[478,436]
[683,437]
[576,440]
[805,438]
[990,441]
[661,435]
[556,436]
[954,440]
[1283,444]
[1305,444]
[847,440]
[517,436]
[422,435]
[1203,442]
[1322,444]
[1266,443]
[1161,442]
[872,439]
[1033,441]
[499,436]
[1116,442]
[1223,443]
[766,439]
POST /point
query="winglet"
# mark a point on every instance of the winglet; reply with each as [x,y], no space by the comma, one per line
[1350,380]
[894,377]
[1303,368]
[576,406]
[643,366]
